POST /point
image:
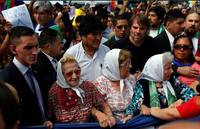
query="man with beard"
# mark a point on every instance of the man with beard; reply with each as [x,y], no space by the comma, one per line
[156,17]
[191,28]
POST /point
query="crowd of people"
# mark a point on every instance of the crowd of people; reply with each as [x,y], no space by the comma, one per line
[108,63]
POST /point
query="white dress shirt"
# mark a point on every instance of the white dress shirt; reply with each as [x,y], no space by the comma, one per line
[90,66]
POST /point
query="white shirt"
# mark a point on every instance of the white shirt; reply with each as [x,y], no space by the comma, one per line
[195,44]
[90,66]
[52,60]
[37,29]
[153,33]
[171,38]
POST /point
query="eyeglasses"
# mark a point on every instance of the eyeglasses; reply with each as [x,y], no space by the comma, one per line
[70,73]
[184,47]
[122,26]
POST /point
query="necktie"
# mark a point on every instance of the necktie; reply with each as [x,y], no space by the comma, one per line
[55,62]
[36,91]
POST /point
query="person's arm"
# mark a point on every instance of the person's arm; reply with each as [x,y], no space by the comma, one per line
[187,71]
[104,118]
[101,110]
[165,114]
[123,7]
[4,46]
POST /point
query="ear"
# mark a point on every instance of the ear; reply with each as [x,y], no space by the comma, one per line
[13,49]
[46,46]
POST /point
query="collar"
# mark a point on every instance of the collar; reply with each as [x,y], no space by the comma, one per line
[22,68]
[49,57]
[82,49]
[170,37]
[51,23]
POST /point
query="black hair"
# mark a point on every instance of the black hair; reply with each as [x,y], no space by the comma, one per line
[79,18]
[119,17]
[9,106]
[19,31]
[47,36]
[191,57]
[160,12]
[173,15]
[90,24]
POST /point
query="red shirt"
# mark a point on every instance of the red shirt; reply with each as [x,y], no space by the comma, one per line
[190,108]
[66,106]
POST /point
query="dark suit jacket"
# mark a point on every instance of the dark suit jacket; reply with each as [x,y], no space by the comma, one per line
[45,70]
[29,107]
[110,42]
[162,42]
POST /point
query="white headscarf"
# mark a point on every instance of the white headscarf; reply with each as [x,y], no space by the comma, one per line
[154,71]
[62,83]
[111,68]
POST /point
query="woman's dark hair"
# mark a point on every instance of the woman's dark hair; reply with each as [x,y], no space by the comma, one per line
[191,57]
[9,106]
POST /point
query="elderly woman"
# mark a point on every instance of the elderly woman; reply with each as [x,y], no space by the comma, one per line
[73,100]
[116,84]
[157,88]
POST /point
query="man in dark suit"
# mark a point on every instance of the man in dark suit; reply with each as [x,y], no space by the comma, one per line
[51,47]
[174,25]
[19,74]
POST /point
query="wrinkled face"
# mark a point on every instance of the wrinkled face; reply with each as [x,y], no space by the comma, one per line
[27,50]
[182,50]
[56,47]
[154,21]
[175,27]
[92,40]
[138,32]
[124,68]
[192,23]
[167,71]
[71,72]
[121,28]
[42,17]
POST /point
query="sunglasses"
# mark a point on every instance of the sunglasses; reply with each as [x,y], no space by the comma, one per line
[184,47]
[70,73]
[122,26]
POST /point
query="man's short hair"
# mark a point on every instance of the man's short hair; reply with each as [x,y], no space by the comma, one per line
[119,17]
[19,31]
[47,36]
[173,15]
[159,10]
[90,24]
